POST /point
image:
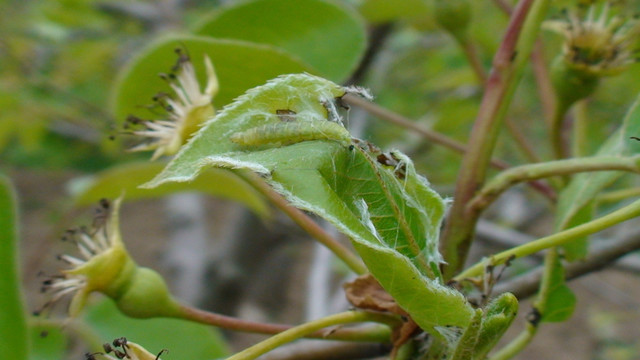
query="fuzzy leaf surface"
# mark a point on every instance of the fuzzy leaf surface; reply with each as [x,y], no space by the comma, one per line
[389,212]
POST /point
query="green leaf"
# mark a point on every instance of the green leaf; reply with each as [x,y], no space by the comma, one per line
[126,178]
[498,316]
[48,341]
[13,328]
[389,212]
[560,302]
[239,66]
[465,346]
[574,201]
[379,11]
[325,34]
[183,339]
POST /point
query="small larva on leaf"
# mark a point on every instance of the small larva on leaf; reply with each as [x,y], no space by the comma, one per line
[287,133]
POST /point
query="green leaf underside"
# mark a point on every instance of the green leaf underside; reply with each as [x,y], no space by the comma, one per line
[13,329]
[186,339]
[393,220]
[325,34]
[561,301]
[126,178]
[239,66]
[575,200]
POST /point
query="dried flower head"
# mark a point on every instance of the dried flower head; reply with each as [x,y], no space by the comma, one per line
[102,259]
[121,349]
[105,266]
[599,44]
[186,109]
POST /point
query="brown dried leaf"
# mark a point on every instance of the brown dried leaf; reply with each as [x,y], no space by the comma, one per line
[366,293]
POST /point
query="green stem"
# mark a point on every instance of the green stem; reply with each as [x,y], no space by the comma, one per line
[306,223]
[521,142]
[556,132]
[303,330]
[546,283]
[516,345]
[628,212]
[508,65]
[519,174]
[471,54]
[378,333]
[618,195]
[406,351]
[580,136]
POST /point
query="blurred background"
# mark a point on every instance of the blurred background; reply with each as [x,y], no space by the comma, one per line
[64,63]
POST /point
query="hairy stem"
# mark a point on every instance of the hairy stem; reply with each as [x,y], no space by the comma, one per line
[628,212]
[306,329]
[306,223]
[519,174]
[508,65]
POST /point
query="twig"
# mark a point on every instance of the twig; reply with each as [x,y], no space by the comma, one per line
[434,136]
[508,66]
[375,333]
[626,213]
[347,317]
[504,6]
[518,174]
[306,223]
[473,58]
[402,121]
[326,350]
[540,70]
[378,35]
[497,235]
[527,285]
[543,80]
[522,142]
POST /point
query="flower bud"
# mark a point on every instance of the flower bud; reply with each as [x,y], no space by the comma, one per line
[571,84]
[597,45]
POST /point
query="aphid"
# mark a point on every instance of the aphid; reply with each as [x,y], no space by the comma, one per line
[287,133]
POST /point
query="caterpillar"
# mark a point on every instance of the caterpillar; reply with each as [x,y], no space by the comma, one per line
[287,133]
